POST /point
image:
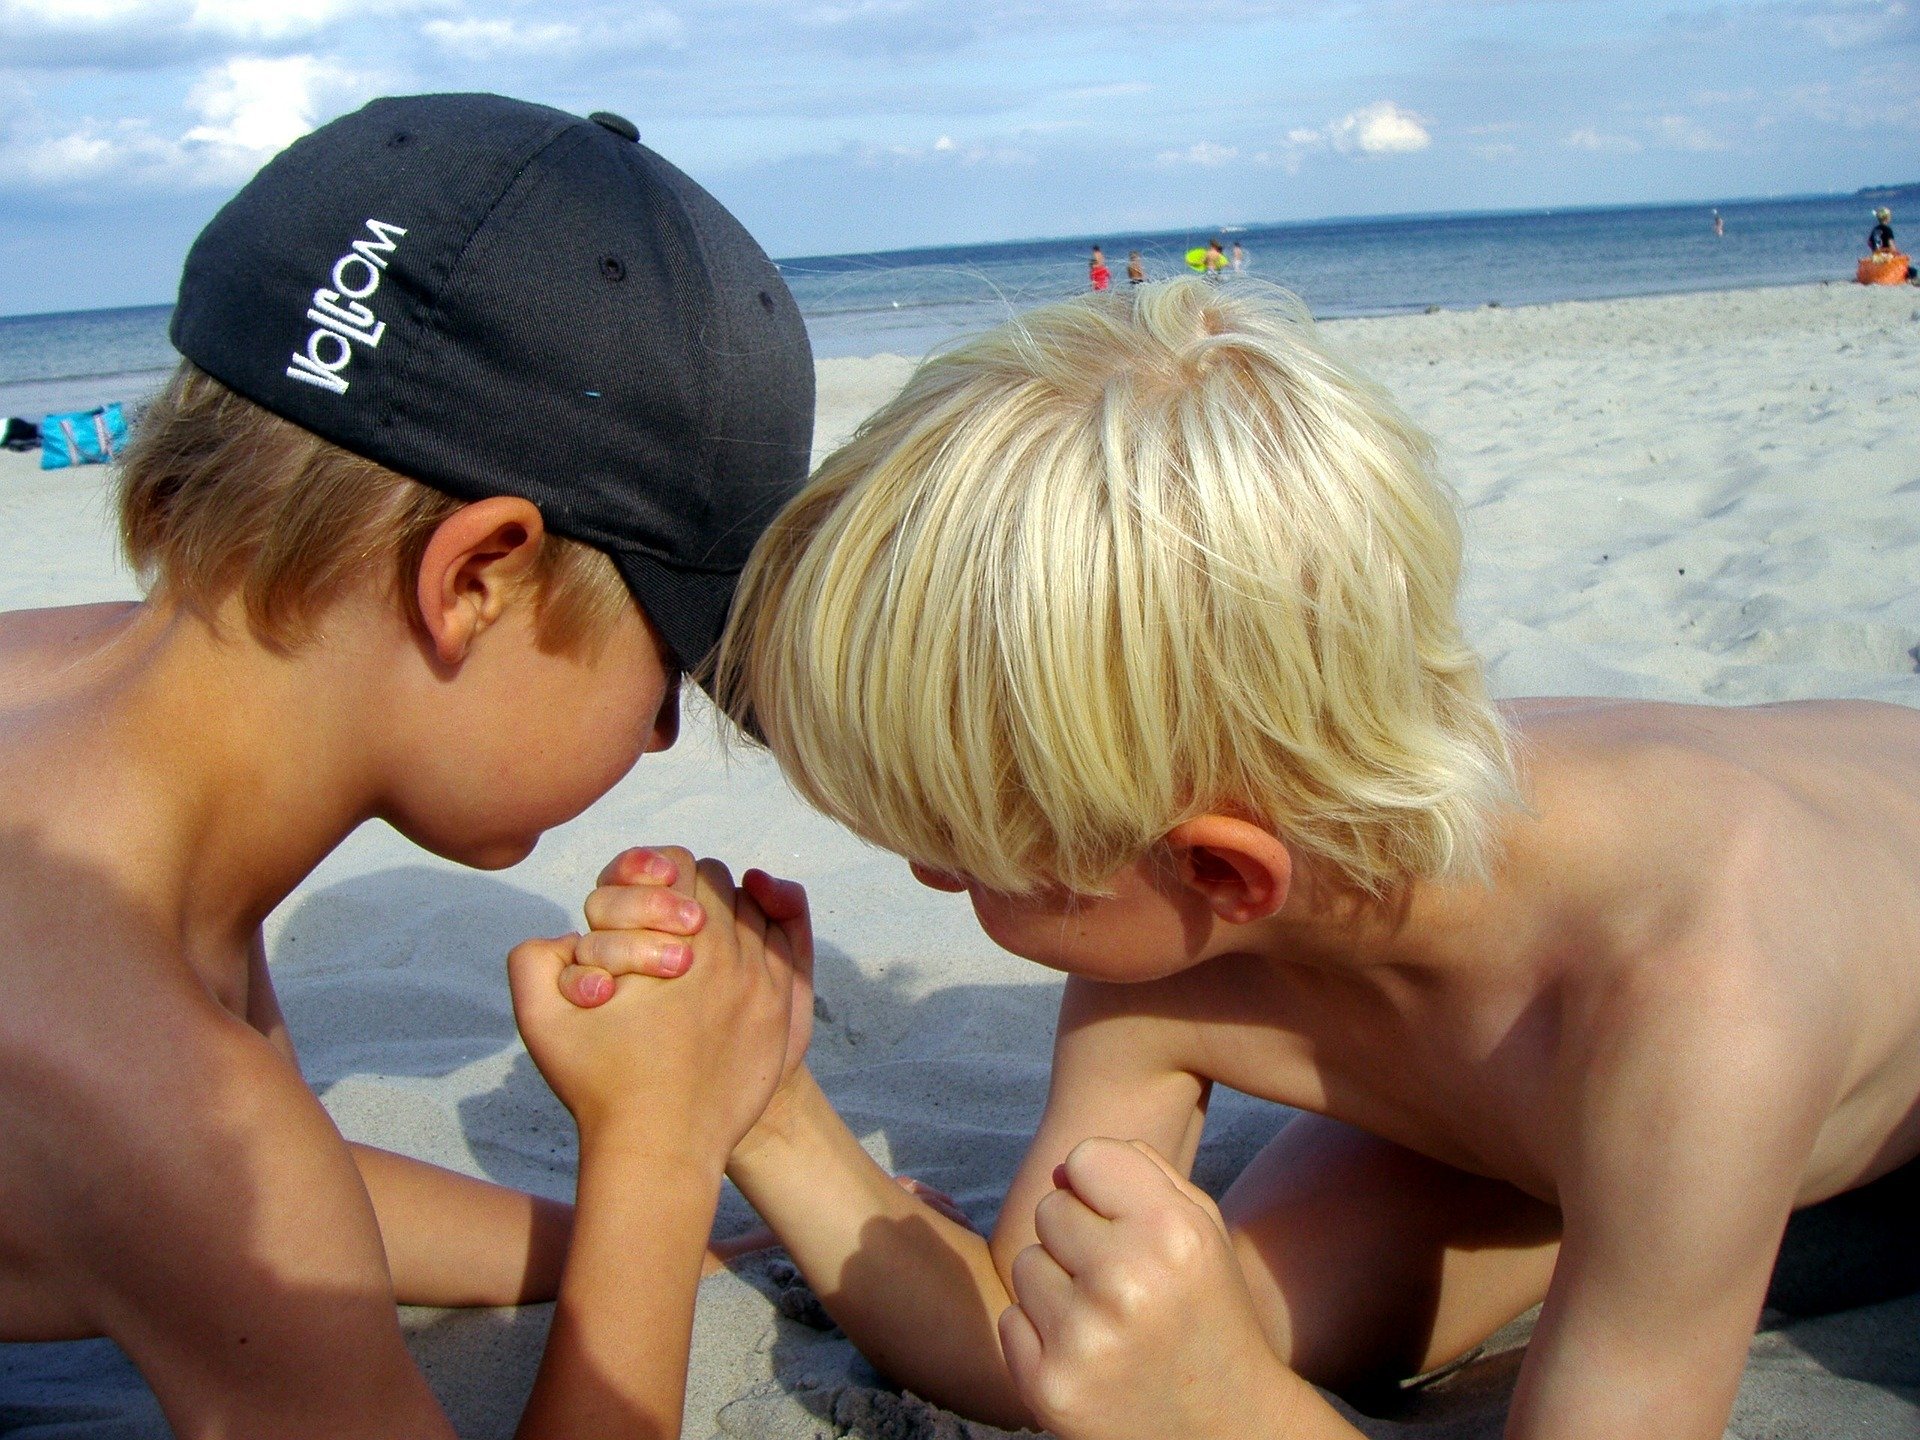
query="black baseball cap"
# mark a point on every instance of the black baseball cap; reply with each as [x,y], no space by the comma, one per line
[499,298]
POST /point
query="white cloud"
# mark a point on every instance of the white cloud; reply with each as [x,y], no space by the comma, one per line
[256,106]
[1885,96]
[477,39]
[72,158]
[1381,128]
[256,21]
[473,38]
[70,14]
[1682,132]
[1207,154]
[1588,138]
[246,109]
[1663,132]
[946,151]
[273,19]
[1855,24]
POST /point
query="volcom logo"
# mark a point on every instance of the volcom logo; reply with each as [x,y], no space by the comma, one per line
[340,316]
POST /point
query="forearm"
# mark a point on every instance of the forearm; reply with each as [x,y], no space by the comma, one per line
[456,1241]
[616,1358]
[917,1293]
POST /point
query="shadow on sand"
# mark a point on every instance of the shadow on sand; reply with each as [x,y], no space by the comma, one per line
[394,989]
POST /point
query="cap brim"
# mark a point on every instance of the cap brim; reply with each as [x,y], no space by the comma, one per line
[688,607]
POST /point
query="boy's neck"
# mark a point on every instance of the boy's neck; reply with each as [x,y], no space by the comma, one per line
[249,766]
[1420,927]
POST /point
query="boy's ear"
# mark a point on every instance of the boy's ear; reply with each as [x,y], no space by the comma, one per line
[1242,871]
[475,561]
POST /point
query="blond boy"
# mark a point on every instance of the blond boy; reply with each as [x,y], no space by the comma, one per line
[1135,620]
[483,405]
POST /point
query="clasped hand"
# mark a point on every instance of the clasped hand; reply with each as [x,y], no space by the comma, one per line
[1131,1314]
[638,1039]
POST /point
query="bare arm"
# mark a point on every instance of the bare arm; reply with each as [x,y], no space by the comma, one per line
[1686,1147]
[920,1295]
[653,1141]
[916,1292]
[452,1239]
[222,1236]
[616,1357]
[455,1240]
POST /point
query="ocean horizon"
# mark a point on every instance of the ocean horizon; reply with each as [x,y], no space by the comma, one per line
[907,301]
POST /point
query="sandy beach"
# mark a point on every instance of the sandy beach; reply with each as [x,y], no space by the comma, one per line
[1698,498]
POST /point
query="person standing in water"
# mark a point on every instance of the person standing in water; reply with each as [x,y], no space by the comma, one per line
[1097,272]
[1239,257]
[1719,226]
[1216,260]
[1136,269]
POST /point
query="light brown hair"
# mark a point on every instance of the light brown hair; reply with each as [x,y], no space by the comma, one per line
[219,496]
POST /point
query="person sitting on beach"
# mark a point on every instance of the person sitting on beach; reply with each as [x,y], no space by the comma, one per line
[1585,996]
[422,346]
[1880,237]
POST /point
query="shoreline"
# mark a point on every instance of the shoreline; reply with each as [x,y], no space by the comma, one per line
[31,398]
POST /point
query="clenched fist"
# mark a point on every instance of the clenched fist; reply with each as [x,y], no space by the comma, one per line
[1132,1320]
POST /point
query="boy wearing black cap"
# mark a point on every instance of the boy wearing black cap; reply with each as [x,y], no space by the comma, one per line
[465,379]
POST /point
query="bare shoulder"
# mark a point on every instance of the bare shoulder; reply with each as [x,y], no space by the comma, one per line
[144,1120]
[167,1179]
[1760,881]
[1774,832]
[1779,741]
[1718,791]
[39,648]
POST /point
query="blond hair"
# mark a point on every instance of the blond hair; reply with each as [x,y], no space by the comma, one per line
[219,496]
[1123,561]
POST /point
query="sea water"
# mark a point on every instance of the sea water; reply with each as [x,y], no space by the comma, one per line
[907,301]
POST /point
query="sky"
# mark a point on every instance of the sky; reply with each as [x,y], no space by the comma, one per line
[832,126]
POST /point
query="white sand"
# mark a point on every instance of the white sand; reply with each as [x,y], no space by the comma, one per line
[1707,497]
